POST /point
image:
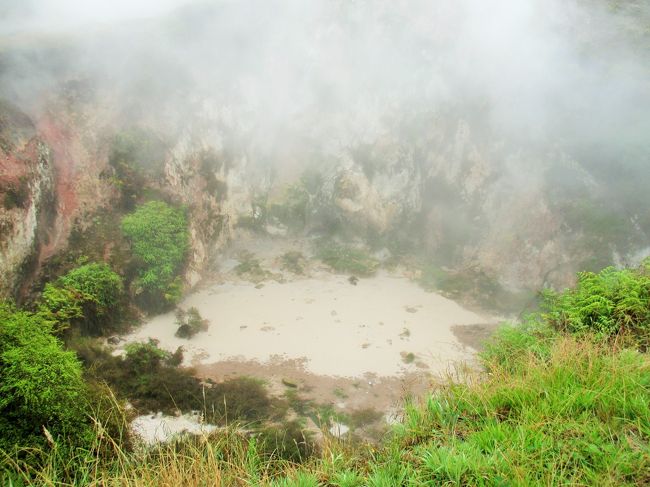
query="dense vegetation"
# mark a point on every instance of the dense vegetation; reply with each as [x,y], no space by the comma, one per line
[43,398]
[90,296]
[611,303]
[564,400]
[159,239]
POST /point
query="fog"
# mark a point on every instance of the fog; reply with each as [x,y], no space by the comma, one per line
[349,69]
[534,83]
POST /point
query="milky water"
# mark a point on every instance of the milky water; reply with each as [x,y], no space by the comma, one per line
[155,428]
[333,327]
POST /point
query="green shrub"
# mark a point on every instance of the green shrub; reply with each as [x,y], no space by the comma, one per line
[159,239]
[293,261]
[343,258]
[89,296]
[190,323]
[147,376]
[136,156]
[241,398]
[250,267]
[41,387]
[292,209]
[145,357]
[288,441]
[609,303]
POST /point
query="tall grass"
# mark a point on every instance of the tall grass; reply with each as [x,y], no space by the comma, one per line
[550,409]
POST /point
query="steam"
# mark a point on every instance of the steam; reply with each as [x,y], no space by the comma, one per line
[346,71]
[532,83]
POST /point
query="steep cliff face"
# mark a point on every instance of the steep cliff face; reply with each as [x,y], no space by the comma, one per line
[53,177]
[26,198]
[197,177]
[471,201]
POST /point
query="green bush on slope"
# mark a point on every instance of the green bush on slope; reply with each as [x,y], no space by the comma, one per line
[41,386]
[159,238]
[343,258]
[610,303]
[89,295]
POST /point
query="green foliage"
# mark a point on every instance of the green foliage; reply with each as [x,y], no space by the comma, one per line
[250,267]
[553,408]
[136,157]
[147,376]
[98,284]
[89,296]
[16,195]
[40,385]
[240,399]
[145,357]
[293,261]
[610,303]
[159,239]
[97,239]
[190,323]
[63,303]
[575,414]
[292,209]
[151,379]
[343,258]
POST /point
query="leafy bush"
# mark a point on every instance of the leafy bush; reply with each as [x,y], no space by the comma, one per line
[41,387]
[292,210]
[136,156]
[89,296]
[343,258]
[250,267]
[288,441]
[190,323]
[293,261]
[610,303]
[147,376]
[159,239]
[145,357]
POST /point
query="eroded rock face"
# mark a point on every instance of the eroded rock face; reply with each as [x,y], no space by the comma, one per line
[463,196]
[26,198]
[446,185]
[52,177]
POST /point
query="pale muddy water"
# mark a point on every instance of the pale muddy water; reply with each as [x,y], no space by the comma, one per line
[385,326]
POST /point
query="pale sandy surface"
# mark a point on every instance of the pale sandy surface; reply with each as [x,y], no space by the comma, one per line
[154,428]
[328,325]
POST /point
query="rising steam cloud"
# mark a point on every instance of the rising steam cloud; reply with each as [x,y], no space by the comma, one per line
[346,70]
